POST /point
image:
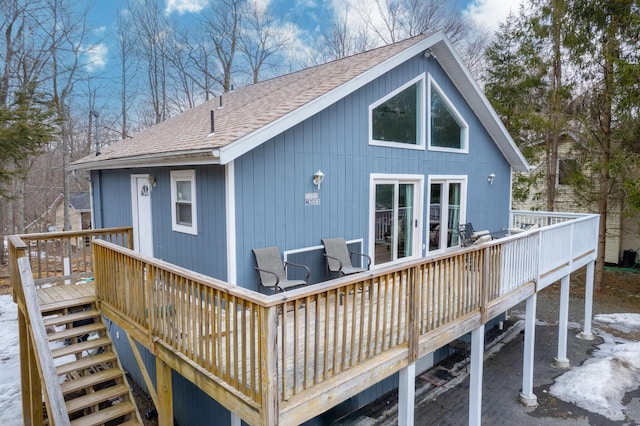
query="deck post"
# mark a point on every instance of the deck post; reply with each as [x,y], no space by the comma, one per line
[31,387]
[164,389]
[475,381]
[561,361]
[588,303]
[527,397]
[269,350]
[407,395]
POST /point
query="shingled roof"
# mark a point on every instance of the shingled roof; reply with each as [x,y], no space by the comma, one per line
[248,116]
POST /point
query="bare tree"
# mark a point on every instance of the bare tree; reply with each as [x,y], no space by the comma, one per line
[152,30]
[343,37]
[262,39]
[222,22]
[125,46]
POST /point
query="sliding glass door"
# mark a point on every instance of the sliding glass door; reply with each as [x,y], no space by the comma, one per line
[395,218]
[446,211]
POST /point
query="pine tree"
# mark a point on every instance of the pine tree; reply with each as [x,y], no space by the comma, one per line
[516,86]
[27,125]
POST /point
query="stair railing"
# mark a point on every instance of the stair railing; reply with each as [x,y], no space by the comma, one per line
[37,368]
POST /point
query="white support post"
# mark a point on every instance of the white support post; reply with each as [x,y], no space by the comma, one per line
[66,268]
[527,397]
[561,361]
[475,380]
[235,420]
[588,304]
[407,395]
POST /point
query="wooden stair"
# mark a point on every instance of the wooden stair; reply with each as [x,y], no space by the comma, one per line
[91,378]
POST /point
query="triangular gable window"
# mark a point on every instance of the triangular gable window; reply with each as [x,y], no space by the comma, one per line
[397,119]
[448,131]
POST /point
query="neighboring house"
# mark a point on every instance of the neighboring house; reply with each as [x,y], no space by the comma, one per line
[622,229]
[408,145]
[79,211]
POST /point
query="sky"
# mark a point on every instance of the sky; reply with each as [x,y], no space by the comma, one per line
[598,385]
[305,15]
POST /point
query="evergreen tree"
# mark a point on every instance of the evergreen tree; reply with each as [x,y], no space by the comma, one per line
[27,125]
[515,84]
[596,44]
[606,42]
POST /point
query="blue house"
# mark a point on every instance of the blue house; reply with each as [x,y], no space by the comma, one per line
[390,149]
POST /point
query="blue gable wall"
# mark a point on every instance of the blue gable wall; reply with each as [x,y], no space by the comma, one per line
[271,180]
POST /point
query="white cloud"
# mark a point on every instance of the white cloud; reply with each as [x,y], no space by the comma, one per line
[490,13]
[260,5]
[96,57]
[185,6]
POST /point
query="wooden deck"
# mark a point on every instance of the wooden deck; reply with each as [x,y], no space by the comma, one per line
[58,297]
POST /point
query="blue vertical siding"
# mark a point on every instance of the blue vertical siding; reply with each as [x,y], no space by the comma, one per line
[206,252]
[112,198]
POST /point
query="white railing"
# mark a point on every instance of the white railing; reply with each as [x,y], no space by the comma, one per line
[567,241]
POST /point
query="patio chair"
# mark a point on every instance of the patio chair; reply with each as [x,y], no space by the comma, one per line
[273,270]
[338,257]
[468,236]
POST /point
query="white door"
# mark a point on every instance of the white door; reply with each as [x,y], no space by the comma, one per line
[141,207]
[447,209]
[396,211]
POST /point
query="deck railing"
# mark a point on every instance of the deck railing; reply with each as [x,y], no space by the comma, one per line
[272,355]
[58,257]
[277,353]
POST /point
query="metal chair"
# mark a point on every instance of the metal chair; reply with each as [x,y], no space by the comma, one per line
[273,271]
[468,236]
[339,257]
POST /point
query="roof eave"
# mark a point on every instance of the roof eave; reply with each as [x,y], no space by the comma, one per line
[174,158]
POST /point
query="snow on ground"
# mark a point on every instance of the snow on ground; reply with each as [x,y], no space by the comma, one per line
[599,385]
[10,397]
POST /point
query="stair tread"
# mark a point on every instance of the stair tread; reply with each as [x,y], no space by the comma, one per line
[91,380]
[95,398]
[66,304]
[68,318]
[105,415]
[76,331]
[131,422]
[80,347]
[85,362]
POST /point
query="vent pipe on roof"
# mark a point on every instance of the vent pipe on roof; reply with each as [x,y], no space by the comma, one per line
[213,128]
[96,115]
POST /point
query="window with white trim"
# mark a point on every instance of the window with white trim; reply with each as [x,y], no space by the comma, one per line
[398,119]
[183,201]
[447,129]
[395,215]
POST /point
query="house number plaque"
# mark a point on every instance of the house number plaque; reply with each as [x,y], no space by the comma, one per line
[311,199]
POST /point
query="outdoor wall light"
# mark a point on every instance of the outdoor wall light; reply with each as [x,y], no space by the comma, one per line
[318,177]
[152,180]
[429,54]
[490,179]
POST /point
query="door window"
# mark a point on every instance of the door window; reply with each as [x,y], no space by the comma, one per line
[395,219]
[446,211]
